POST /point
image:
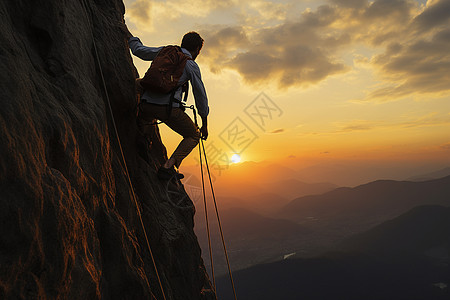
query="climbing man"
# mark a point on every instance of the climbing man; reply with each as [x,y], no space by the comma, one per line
[167,107]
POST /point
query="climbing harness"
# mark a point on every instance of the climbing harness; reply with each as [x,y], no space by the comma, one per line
[201,147]
[172,100]
[85,6]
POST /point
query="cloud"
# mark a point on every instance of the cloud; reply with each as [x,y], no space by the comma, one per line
[406,43]
[355,125]
[445,146]
[290,54]
[417,60]
[278,130]
[386,9]
[418,66]
[140,11]
[414,40]
[147,12]
[432,119]
[350,3]
[307,50]
[261,12]
[352,126]
[436,14]
[298,64]
[225,42]
[175,9]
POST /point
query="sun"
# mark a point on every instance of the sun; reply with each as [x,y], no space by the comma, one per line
[235,158]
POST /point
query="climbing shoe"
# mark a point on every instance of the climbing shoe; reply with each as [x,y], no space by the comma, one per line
[166,174]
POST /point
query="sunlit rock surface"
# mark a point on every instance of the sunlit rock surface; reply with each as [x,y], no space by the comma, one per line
[69,226]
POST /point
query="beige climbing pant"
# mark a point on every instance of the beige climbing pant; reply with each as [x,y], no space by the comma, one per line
[178,121]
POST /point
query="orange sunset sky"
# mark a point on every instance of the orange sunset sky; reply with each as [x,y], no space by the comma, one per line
[302,82]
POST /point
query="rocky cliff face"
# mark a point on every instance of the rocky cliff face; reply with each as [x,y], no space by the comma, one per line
[69,227]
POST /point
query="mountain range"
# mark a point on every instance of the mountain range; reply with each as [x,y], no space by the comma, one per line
[310,225]
[432,175]
[352,210]
[250,238]
[405,258]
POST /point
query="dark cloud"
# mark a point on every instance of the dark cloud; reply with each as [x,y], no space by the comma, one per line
[385,9]
[435,15]
[413,41]
[293,66]
[228,37]
[351,3]
[421,66]
[323,16]
[222,43]
[382,21]
[291,54]
[140,10]
[416,57]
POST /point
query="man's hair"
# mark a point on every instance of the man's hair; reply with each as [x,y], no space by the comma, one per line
[191,41]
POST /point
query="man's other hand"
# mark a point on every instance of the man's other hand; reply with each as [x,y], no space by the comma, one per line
[204,132]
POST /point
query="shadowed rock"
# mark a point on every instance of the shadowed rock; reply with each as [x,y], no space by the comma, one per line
[69,226]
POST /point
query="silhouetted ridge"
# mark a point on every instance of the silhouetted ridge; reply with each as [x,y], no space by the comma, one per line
[424,230]
[251,238]
[403,259]
[433,175]
[368,204]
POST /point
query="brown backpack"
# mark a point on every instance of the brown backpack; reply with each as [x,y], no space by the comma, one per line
[165,70]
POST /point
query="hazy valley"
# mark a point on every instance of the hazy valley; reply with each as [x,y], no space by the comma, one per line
[298,236]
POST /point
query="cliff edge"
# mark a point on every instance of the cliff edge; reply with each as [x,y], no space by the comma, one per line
[69,226]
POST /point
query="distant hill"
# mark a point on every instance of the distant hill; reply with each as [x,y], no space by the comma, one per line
[430,176]
[424,230]
[312,224]
[261,171]
[293,188]
[345,277]
[263,203]
[350,210]
[250,237]
[250,193]
[240,223]
[397,267]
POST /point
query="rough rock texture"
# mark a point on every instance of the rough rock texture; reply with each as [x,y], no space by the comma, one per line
[69,227]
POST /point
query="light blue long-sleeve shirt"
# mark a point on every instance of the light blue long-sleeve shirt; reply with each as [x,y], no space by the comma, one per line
[191,73]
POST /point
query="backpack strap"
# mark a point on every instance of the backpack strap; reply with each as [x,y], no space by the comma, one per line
[185,90]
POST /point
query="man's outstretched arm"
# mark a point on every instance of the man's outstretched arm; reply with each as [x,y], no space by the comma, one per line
[136,46]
